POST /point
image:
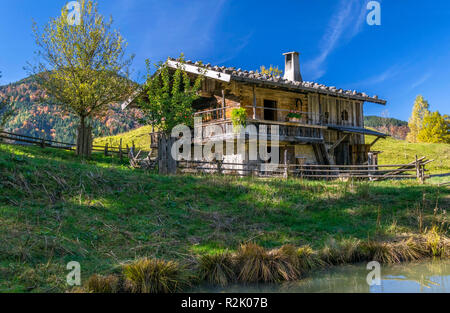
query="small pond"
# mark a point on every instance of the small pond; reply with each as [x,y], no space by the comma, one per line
[428,276]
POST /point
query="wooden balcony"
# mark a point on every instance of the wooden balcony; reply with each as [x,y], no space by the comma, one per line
[287,131]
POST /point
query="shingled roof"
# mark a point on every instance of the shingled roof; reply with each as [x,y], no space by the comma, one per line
[231,73]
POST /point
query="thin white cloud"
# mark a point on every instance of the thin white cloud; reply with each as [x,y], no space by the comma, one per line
[344,24]
[421,80]
[388,74]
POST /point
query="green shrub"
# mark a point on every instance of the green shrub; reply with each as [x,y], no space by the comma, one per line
[239,118]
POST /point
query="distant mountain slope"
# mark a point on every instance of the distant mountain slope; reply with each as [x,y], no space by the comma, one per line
[35,118]
[392,126]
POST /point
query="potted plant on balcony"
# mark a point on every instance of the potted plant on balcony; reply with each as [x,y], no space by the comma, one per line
[239,118]
[294,116]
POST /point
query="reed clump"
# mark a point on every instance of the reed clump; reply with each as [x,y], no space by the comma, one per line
[103,284]
[436,244]
[343,251]
[309,259]
[252,263]
[255,264]
[217,268]
[155,276]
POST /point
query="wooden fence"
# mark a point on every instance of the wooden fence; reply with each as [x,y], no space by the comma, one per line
[413,170]
[13,138]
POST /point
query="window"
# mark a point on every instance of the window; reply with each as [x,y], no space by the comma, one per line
[270,110]
[326,117]
[344,115]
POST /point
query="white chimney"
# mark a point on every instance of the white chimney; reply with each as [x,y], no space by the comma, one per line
[292,67]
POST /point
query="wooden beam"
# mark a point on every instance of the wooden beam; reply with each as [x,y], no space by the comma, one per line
[194,69]
[224,110]
[337,143]
[375,141]
[254,103]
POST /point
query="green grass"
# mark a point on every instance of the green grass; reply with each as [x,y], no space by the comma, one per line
[140,137]
[55,208]
[402,152]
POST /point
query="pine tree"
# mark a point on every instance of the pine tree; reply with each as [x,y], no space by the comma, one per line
[420,110]
[435,129]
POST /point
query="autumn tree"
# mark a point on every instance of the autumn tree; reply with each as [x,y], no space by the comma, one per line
[272,70]
[82,66]
[169,96]
[435,128]
[420,110]
[5,110]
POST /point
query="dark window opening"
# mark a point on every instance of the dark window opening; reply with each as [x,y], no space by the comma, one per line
[269,110]
[326,117]
[344,115]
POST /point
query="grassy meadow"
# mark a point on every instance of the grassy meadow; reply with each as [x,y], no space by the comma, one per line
[397,151]
[56,208]
[140,137]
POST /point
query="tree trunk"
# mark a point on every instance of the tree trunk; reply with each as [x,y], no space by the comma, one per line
[84,139]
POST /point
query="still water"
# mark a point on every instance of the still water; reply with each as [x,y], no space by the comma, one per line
[430,276]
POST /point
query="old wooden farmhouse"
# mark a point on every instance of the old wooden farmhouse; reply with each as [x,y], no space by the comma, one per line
[329,126]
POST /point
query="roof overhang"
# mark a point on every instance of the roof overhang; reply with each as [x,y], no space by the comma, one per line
[194,69]
[357,130]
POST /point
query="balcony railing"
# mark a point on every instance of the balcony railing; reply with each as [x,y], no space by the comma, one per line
[284,132]
[307,118]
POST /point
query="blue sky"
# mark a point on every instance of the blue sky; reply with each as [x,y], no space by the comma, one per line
[407,55]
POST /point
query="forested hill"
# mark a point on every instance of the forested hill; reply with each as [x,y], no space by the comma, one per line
[377,121]
[392,126]
[35,117]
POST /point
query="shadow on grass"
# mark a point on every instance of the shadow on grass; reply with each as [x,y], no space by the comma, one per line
[53,208]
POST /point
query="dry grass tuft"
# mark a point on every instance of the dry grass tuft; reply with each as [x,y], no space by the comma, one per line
[435,243]
[103,284]
[155,276]
[255,264]
[217,268]
[309,259]
[340,252]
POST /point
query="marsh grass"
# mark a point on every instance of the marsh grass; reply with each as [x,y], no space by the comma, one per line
[343,251]
[256,264]
[309,259]
[104,284]
[217,269]
[156,276]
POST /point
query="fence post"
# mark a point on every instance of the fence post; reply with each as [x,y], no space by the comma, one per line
[286,168]
[422,172]
[106,150]
[417,168]
[219,166]
[120,150]
[42,143]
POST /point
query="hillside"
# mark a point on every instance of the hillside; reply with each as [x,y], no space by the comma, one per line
[55,209]
[36,117]
[397,151]
[391,126]
[140,136]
